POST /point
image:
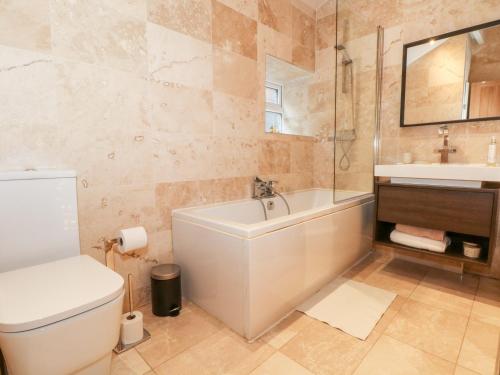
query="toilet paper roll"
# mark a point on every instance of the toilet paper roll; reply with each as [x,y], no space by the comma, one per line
[132,239]
[131,329]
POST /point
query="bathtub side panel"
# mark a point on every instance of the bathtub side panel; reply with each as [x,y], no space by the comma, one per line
[289,265]
[213,269]
[276,277]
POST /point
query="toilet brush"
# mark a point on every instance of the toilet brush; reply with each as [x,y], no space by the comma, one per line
[130,299]
[132,331]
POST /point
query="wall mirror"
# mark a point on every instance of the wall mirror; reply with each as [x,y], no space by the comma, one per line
[286,98]
[454,77]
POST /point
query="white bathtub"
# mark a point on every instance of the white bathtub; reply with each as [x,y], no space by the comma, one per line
[251,273]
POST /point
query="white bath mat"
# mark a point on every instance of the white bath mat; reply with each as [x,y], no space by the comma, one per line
[351,306]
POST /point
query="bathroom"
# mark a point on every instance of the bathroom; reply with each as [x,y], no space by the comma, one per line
[162,114]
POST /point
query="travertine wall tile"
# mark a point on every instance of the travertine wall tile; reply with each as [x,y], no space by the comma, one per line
[232,31]
[274,157]
[276,14]
[303,57]
[157,104]
[303,28]
[28,110]
[235,74]
[274,43]
[25,24]
[191,17]
[235,116]
[325,31]
[178,58]
[100,104]
[321,95]
[171,107]
[249,8]
[96,32]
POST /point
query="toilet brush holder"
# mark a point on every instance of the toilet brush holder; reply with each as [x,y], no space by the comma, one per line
[132,332]
[120,348]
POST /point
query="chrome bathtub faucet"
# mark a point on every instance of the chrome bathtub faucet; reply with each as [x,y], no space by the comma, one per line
[265,189]
[446,149]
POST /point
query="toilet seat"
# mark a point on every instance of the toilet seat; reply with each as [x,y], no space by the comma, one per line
[34,297]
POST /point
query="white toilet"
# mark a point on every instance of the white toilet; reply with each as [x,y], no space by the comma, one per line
[59,311]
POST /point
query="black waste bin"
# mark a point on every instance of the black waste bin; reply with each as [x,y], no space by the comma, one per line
[166,290]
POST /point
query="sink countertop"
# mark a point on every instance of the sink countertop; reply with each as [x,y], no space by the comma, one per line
[436,171]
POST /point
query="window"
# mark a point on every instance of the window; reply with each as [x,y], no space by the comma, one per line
[274,108]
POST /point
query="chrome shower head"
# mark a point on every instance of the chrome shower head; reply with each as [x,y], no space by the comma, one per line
[346,59]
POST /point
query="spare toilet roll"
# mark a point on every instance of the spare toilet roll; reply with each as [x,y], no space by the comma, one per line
[132,239]
[131,329]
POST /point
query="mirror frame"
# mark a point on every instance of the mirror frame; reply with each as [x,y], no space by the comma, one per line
[403,76]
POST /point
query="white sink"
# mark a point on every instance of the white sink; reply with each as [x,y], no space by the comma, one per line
[464,175]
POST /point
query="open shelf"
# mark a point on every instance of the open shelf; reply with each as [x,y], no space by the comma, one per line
[453,251]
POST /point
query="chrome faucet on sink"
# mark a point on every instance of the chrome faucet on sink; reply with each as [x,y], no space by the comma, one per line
[446,149]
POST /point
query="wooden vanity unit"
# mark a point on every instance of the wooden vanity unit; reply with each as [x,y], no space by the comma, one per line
[466,214]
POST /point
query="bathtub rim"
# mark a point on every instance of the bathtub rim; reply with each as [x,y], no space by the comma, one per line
[260,228]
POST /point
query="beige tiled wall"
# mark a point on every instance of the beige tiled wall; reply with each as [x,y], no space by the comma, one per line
[417,20]
[156,104]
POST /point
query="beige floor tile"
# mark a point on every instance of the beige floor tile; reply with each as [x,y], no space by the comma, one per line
[389,315]
[171,336]
[434,330]
[480,347]
[129,363]
[287,329]
[446,290]
[280,364]
[155,323]
[398,276]
[486,307]
[325,350]
[391,357]
[224,352]
[365,268]
[464,371]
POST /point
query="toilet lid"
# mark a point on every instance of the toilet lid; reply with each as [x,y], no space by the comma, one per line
[33,297]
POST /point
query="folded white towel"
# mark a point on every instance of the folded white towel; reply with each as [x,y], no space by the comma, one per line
[420,242]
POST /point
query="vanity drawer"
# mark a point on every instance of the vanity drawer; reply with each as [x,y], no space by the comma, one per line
[455,210]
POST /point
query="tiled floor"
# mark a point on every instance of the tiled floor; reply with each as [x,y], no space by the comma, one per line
[438,324]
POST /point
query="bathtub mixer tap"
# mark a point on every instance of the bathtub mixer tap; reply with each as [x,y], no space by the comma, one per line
[265,189]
